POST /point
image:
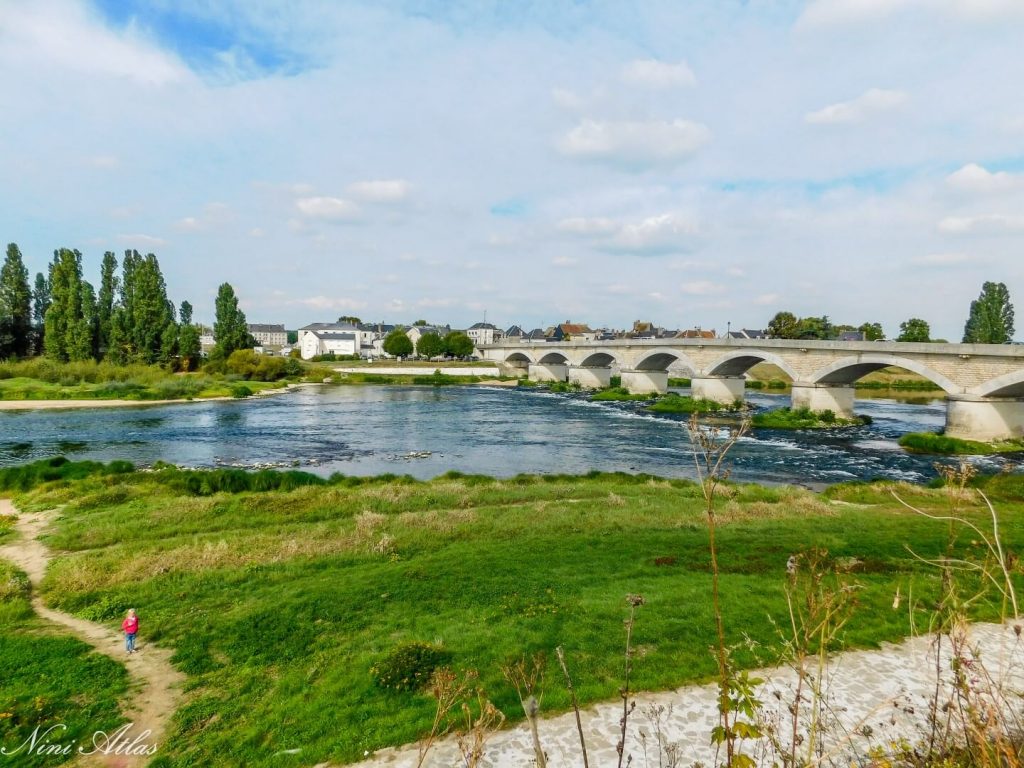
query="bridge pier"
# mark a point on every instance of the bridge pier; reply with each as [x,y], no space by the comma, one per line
[548,371]
[644,382]
[985,419]
[590,377]
[518,368]
[720,389]
[837,398]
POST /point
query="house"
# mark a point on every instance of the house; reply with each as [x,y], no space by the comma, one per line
[415,332]
[483,333]
[328,338]
[696,333]
[536,335]
[747,333]
[572,332]
[851,336]
[515,333]
[268,335]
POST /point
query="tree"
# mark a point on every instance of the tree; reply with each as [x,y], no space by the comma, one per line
[430,345]
[783,326]
[188,339]
[397,344]
[40,303]
[420,323]
[914,329]
[350,319]
[458,344]
[814,328]
[15,306]
[991,318]
[109,284]
[68,332]
[149,312]
[229,326]
[872,331]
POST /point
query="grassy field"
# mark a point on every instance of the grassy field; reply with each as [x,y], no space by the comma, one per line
[930,442]
[49,679]
[278,603]
[41,379]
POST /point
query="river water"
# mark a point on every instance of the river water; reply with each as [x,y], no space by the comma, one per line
[424,432]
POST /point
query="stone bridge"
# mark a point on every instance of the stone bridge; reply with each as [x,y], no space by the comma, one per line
[984,383]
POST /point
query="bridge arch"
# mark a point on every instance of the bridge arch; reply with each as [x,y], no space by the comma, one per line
[599,360]
[850,369]
[555,358]
[1008,385]
[740,361]
[518,357]
[660,361]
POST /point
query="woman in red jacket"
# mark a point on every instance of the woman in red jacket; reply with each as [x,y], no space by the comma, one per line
[130,625]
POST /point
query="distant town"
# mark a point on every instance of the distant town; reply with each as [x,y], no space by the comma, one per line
[351,339]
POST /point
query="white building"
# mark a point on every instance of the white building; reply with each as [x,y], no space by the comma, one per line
[268,335]
[483,333]
[328,338]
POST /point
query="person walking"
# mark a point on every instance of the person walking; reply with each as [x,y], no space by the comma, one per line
[130,625]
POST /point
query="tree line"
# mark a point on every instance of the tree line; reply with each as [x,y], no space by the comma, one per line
[429,345]
[990,321]
[129,319]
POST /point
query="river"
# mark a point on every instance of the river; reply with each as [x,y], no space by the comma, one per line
[424,432]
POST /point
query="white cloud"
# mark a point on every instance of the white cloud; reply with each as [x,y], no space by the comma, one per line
[587,226]
[213,215]
[842,12]
[330,303]
[974,178]
[942,259]
[566,99]
[146,241]
[869,103]
[660,234]
[983,224]
[382,191]
[330,208]
[658,75]
[635,145]
[701,288]
[766,299]
[64,35]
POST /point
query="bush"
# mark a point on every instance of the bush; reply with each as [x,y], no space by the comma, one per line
[409,667]
[240,390]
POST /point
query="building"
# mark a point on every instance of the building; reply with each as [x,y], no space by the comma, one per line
[328,338]
[415,332]
[572,332]
[696,333]
[515,333]
[483,333]
[268,335]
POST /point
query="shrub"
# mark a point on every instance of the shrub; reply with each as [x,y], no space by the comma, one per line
[240,391]
[409,667]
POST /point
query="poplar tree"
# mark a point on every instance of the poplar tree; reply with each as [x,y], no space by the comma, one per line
[229,326]
[40,303]
[991,317]
[188,339]
[68,332]
[149,313]
[106,300]
[15,306]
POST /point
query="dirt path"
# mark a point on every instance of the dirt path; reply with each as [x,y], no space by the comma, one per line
[156,685]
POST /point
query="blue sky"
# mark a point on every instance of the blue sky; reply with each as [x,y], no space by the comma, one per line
[697,163]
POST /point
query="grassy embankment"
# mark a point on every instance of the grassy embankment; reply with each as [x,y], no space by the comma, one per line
[41,379]
[930,442]
[48,679]
[278,603]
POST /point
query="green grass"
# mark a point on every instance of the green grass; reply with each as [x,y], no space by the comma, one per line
[930,442]
[278,603]
[804,418]
[47,680]
[673,403]
[41,379]
[616,394]
[436,379]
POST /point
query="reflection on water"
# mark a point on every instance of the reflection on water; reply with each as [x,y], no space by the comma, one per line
[426,431]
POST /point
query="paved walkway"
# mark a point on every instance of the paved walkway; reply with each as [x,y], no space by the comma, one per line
[872,698]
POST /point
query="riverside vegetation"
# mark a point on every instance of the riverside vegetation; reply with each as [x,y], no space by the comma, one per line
[290,601]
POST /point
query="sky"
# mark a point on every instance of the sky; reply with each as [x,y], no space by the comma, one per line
[702,163]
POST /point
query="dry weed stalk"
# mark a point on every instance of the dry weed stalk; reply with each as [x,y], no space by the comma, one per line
[451,693]
[575,704]
[526,677]
[635,601]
